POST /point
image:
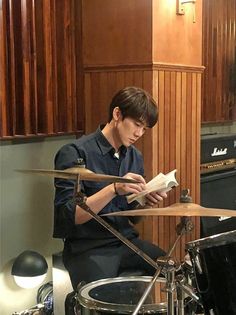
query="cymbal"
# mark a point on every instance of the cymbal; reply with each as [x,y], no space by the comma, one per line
[178,209]
[83,173]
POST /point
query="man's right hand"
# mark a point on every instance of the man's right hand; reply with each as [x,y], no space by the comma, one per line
[133,188]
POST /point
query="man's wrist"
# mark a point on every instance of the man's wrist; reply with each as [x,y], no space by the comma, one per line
[115,190]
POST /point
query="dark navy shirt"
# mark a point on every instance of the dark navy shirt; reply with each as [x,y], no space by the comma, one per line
[98,156]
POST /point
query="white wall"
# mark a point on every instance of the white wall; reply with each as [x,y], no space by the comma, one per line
[26,213]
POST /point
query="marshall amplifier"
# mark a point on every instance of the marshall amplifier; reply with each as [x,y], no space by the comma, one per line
[218,180]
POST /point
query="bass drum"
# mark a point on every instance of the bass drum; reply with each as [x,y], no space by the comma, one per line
[117,296]
[214,265]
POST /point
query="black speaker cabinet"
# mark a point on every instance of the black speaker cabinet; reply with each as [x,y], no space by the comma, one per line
[218,190]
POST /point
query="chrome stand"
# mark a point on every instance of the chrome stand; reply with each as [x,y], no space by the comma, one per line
[81,202]
[183,227]
[166,263]
[180,301]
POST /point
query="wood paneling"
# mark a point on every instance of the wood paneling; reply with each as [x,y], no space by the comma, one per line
[176,38]
[173,143]
[41,91]
[117,32]
[219,58]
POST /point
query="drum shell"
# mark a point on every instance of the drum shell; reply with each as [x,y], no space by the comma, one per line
[214,264]
[128,291]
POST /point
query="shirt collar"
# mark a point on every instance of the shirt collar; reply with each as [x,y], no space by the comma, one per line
[105,145]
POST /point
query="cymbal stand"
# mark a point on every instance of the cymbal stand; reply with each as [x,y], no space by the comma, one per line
[168,263]
[81,202]
[183,287]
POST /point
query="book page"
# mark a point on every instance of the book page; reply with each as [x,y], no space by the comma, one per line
[160,183]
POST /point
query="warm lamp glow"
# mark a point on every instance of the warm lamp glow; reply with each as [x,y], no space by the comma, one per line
[29,282]
[29,269]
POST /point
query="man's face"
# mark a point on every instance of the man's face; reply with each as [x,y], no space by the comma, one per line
[130,130]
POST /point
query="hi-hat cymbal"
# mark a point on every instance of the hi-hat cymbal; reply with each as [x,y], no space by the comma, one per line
[178,209]
[83,173]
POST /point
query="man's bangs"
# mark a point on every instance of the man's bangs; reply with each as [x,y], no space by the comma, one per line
[147,114]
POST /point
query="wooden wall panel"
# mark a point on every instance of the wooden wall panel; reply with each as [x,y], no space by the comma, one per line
[179,103]
[117,32]
[173,143]
[219,58]
[176,38]
[41,91]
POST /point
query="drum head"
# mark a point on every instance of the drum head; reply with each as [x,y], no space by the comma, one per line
[119,295]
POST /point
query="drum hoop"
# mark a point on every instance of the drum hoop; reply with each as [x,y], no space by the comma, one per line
[213,241]
[90,303]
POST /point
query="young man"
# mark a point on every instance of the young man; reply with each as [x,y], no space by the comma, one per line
[91,252]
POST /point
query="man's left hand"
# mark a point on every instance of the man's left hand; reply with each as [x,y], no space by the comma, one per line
[154,198]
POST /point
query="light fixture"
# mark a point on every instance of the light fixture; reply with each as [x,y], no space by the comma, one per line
[180,7]
[29,269]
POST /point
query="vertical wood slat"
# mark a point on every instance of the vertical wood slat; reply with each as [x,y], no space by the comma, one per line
[47,31]
[3,71]
[26,79]
[219,58]
[34,78]
[12,71]
[42,93]
[68,65]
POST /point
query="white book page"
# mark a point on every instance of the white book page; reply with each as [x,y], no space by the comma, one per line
[160,183]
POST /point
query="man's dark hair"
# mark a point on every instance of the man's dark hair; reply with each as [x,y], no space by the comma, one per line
[135,103]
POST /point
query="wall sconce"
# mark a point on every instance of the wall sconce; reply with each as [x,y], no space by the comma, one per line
[180,7]
[29,269]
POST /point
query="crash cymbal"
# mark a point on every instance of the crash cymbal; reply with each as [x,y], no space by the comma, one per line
[178,209]
[84,174]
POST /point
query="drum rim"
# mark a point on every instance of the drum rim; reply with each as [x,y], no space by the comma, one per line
[90,303]
[213,240]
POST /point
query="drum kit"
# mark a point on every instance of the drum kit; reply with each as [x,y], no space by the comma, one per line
[208,285]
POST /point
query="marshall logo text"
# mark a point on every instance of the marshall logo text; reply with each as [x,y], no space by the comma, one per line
[217,152]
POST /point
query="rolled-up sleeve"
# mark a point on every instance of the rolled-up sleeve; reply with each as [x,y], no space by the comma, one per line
[64,202]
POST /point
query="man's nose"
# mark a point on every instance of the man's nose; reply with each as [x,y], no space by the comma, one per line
[139,132]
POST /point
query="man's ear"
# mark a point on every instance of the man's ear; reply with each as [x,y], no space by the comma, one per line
[116,113]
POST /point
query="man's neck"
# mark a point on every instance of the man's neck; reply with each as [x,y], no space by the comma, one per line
[109,133]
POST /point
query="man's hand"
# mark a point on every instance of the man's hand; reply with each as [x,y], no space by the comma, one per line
[153,198]
[126,188]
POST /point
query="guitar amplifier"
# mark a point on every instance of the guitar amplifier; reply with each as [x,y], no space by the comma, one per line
[218,181]
[217,147]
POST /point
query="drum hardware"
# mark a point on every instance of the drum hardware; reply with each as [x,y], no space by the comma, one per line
[81,202]
[82,172]
[45,297]
[177,210]
[214,265]
[184,209]
[170,267]
[118,296]
[182,284]
[183,227]
[36,309]
[166,262]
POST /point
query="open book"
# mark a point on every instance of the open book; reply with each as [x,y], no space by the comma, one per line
[160,183]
